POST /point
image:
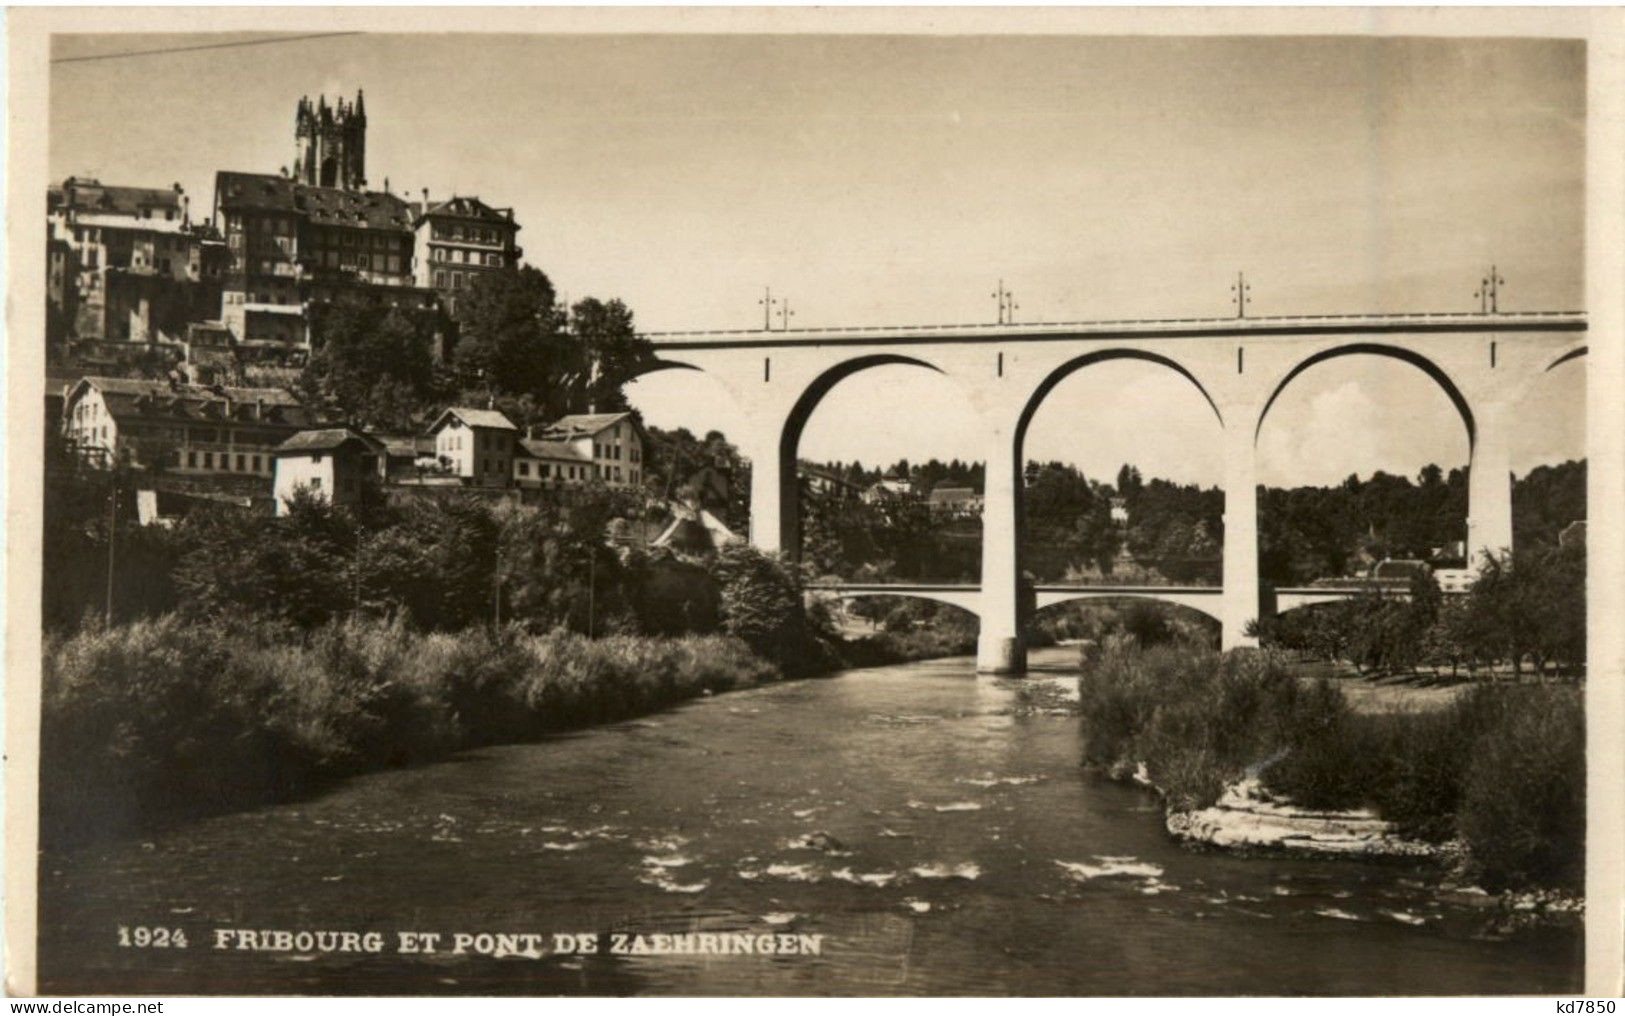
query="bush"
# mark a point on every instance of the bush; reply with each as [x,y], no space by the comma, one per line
[169,718]
[1502,768]
[1523,796]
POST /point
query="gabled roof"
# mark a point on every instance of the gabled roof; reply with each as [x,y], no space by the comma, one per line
[329,206]
[489,418]
[561,450]
[471,208]
[583,424]
[329,439]
[130,397]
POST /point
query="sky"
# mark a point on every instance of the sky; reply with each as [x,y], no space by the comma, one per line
[896,179]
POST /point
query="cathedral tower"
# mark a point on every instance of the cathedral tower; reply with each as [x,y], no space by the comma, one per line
[331,143]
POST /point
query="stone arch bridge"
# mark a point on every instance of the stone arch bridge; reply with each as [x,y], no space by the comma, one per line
[1484,363]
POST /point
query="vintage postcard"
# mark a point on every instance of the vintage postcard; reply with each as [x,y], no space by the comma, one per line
[814,502]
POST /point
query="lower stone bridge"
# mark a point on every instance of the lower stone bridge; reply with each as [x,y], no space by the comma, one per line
[1205,599]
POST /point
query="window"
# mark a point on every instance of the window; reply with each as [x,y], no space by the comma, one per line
[315,456]
[544,470]
[440,280]
[241,462]
[191,460]
[315,483]
[524,469]
[208,460]
[256,463]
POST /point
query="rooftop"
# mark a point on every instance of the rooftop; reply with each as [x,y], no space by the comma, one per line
[327,439]
[491,418]
[325,205]
[551,450]
[577,424]
[469,208]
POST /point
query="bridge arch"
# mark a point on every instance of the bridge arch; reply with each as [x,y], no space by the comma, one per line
[1572,354]
[1410,356]
[967,598]
[795,423]
[1072,366]
[1205,601]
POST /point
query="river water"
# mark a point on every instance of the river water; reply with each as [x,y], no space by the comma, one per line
[939,839]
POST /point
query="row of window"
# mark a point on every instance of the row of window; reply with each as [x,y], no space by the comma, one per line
[613,451]
[473,234]
[547,470]
[465,257]
[246,463]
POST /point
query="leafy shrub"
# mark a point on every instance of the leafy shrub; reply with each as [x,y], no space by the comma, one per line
[168,718]
[1522,810]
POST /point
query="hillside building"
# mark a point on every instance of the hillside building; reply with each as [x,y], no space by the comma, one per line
[337,465]
[612,443]
[187,430]
[477,445]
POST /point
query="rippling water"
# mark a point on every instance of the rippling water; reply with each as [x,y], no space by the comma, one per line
[939,841]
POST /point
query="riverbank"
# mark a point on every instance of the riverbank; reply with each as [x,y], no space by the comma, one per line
[1489,786]
[953,825]
[169,719]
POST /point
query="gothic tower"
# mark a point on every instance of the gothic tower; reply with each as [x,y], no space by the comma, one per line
[331,143]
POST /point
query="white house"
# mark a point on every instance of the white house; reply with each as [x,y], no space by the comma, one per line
[336,464]
[477,444]
[612,442]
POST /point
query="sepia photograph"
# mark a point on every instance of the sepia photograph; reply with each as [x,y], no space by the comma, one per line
[580,510]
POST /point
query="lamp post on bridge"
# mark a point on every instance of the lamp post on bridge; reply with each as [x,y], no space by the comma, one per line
[1241,294]
[1489,292]
[1007,304]
[767,303]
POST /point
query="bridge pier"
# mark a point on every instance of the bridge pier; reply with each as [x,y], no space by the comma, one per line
[1000,648]
[1240,599]
[1489,487]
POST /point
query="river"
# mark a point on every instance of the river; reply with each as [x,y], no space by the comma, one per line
[938,838]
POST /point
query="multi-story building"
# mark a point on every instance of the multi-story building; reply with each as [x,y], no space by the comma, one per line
[183,429]
[475,444]
[459,239]
[316,236]
[127,264]
[611,442]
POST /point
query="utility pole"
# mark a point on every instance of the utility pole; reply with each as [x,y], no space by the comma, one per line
[1007,304]
[112,538]
[1489,292]
[785,314]
[592,585]
[1241,294]
[767,303]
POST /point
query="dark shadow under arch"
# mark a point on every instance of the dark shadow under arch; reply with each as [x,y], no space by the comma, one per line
[1572,354]
[1411,357]
[656,366]
[796,422]
[1122,599]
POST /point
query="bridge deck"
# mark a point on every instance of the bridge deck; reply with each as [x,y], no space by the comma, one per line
[1286,324]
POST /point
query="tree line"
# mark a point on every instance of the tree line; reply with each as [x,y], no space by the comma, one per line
[1524,608]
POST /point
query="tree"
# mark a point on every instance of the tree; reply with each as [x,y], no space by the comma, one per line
[374,365]
[761,602]
[509,339]
[518,342]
